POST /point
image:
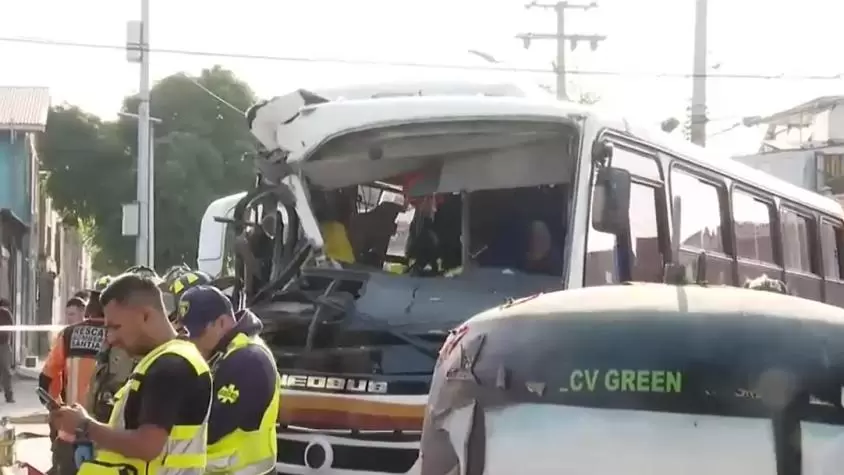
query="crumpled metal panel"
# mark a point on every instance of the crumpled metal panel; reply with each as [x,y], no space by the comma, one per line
[420,304]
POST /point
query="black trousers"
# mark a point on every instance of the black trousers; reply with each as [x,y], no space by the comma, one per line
[6,360]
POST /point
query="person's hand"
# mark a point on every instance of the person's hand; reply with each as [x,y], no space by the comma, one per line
[68,418]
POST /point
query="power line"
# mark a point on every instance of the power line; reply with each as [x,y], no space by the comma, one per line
[402,64]
[725,130]
[211,93]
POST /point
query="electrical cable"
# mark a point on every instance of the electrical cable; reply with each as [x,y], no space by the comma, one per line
[725,130]
[212,94]
[402,64]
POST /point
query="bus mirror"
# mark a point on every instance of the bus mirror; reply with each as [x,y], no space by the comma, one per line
[602,151]
[611,200]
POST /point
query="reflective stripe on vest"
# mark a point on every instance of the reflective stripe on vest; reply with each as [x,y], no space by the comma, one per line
[248,452]
[185,450]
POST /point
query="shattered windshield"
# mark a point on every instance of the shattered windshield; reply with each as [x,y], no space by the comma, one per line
[456,202]
[521,229]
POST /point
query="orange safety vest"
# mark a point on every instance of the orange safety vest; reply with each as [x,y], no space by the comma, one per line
[72,361]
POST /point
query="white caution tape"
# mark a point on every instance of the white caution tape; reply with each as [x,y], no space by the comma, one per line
[31,328]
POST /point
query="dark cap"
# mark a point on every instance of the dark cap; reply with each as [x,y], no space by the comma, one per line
[200,306]
[76,302]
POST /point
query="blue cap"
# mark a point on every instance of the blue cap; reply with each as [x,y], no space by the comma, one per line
[200,306]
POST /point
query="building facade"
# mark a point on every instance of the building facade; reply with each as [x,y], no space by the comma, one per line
[64,267]
[23,115]
[804,145]
[40,257]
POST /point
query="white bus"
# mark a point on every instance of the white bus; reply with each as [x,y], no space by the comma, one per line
[502,196]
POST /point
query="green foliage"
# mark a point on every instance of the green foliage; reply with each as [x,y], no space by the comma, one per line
[198,149]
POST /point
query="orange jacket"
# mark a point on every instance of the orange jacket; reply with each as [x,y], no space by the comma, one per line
[72,361]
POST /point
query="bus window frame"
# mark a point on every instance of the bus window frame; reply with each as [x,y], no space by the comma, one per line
[641,151]
[813,236]
[774,225]
[622,141]
[722,186]
[838,236]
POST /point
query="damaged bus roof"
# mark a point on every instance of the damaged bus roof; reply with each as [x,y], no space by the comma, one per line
[349,142]
[297,126]
[303,126]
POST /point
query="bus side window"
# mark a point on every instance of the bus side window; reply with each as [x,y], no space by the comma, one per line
[796,241]
[646,261]
[752,219]
[831,241]
[700,224]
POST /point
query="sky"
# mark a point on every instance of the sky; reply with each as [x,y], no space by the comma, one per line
[645,38]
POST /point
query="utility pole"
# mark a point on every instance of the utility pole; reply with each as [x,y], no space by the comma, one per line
[151,194]
[560,37]
[143,141]
[137,216]
[698,112]
[151,191]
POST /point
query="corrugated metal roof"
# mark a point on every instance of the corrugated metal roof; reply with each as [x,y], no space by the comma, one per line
[24,108]
[800,116]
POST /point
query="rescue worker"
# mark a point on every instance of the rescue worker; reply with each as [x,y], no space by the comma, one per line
[69,367]
[160,417]
[242,426]
[176,285]
[114,365]
[74,309]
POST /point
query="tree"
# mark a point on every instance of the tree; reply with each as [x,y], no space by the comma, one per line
[189,174]
[184,106]
[199,149]
[89,175]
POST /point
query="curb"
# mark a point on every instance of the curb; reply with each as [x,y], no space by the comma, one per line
[27,373]
[33,418]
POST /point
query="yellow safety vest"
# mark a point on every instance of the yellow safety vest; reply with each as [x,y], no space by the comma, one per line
[248,452]
[185,452]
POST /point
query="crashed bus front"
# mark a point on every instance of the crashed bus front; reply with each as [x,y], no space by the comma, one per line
[383,217]
[450,204]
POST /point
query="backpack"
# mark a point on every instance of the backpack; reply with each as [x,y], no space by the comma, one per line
[114,366]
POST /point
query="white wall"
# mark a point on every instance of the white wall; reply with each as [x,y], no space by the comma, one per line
[835,124]
[797,167]
[825,126]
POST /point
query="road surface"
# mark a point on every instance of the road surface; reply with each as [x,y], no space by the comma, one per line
[27,409]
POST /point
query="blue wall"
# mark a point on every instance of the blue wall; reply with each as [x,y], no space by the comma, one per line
[15,170]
